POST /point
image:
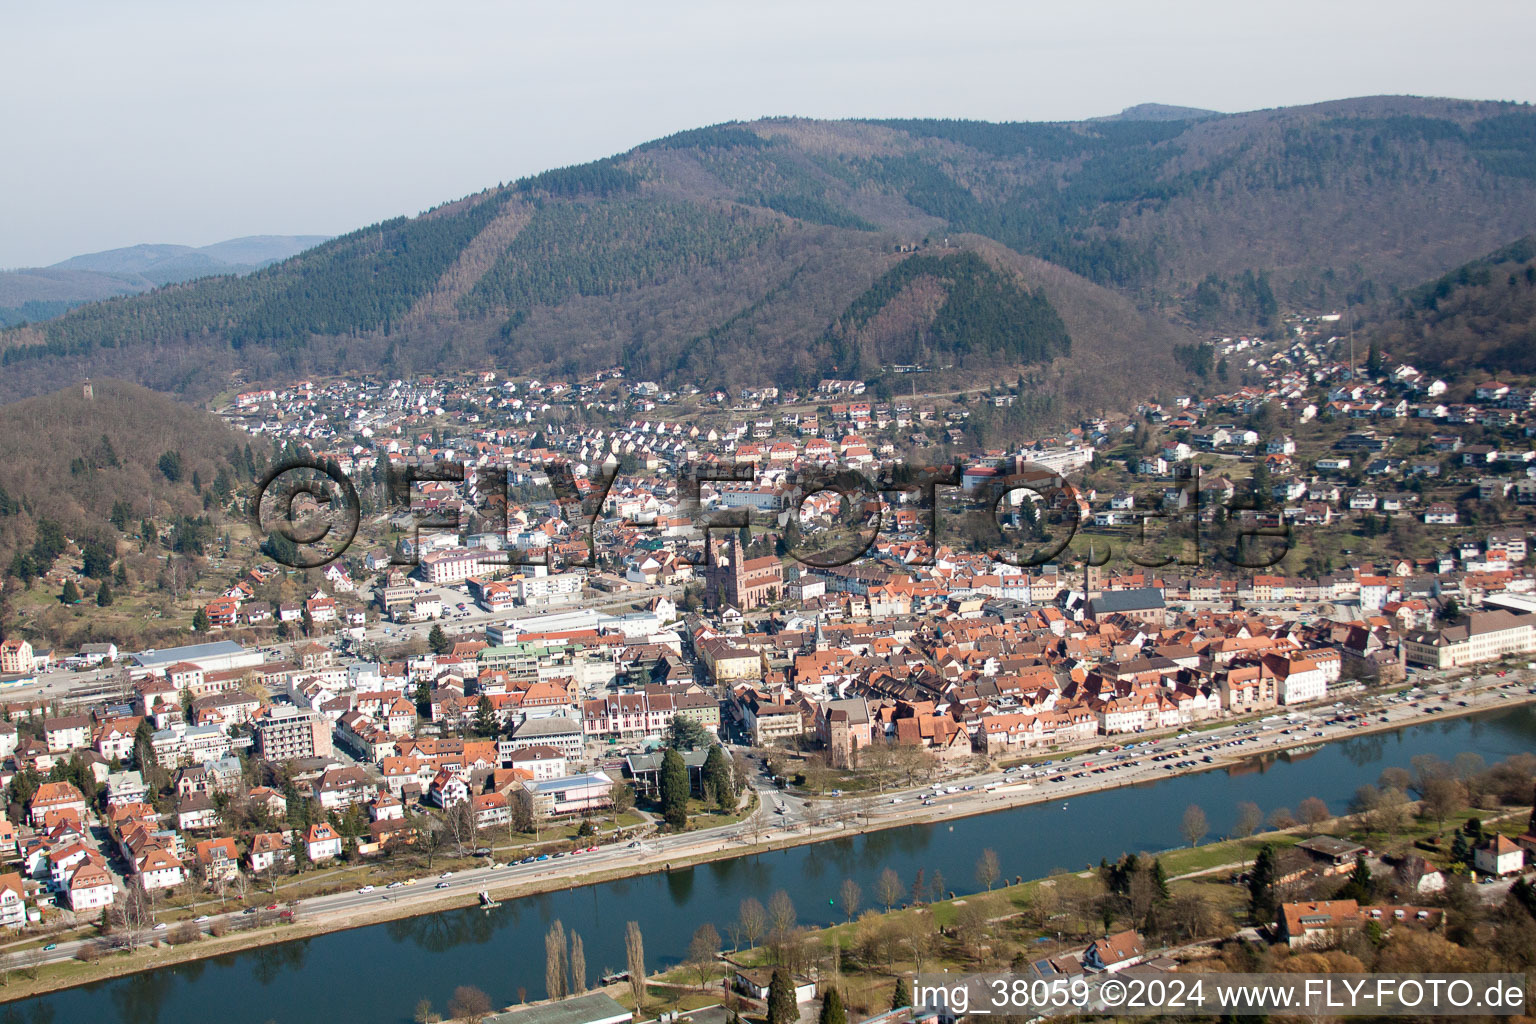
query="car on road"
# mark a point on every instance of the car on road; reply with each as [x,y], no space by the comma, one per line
[591,849]
[366,889]
[161,926]
[271,906]
[542,857]
[50,947]
[248,910]
[446,874]
[395,885]
[201,918]
[442,885]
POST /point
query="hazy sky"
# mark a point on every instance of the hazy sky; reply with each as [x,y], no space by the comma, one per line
[159,121]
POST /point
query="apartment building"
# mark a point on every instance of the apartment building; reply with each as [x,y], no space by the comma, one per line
[285,733]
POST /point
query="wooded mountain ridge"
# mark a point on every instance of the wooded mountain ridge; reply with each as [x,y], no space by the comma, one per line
[764,251]
[1480,316]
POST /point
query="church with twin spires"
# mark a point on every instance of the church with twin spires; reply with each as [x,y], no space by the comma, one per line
[732,580]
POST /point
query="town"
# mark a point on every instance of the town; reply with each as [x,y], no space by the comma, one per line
[428,707]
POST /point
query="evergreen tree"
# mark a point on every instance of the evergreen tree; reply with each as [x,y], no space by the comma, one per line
[1261,481]
[674,789]
[832,1011]
[120,574]
[782,1008]
[686,734]
[437,640]
[1261,886]
[71,594]
[902,996]
[1359,885]
[485,717]
[121,511]
[1461,849]
[717,779]
[103,595]
[200,621]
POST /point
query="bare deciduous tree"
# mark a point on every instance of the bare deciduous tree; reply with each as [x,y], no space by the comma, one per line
[554,961]
[1193,826]
[851,896]
[987,870]
[703,950]
[634,958]
[469,1004]
[1313,811]
[919,935]
[520,806]
[781,913]
[1249,818]
[751,924]
[459,825]
[578,965]
[132,914]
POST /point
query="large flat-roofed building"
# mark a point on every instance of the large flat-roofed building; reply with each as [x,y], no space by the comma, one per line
[460,564]
[218,656]
[592,1008]
[571,794]
[1484,636]
[551,588]
[499,633]
[285,733]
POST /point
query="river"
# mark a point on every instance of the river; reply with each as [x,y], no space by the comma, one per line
[376,974]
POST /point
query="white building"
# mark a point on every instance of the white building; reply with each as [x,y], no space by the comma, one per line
[1498,856]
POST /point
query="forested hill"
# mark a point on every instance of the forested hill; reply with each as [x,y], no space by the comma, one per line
[1480,316]
[123,469]
[734,254]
